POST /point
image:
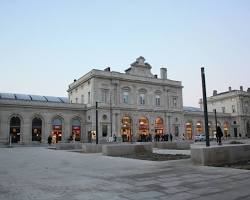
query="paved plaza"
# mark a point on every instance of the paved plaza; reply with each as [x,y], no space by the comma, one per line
[38,173]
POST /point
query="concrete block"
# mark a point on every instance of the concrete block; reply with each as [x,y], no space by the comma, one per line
[172,145]
[213,155]
[126,149]
[68,146]
[91,148]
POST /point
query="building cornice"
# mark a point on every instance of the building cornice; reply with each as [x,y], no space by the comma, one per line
[123,77]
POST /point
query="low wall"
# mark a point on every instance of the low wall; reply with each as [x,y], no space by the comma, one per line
[126,149]
[91,148]
[68,146]
[172,145]
[213,155]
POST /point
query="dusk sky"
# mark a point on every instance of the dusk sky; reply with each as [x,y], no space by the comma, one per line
[46,44]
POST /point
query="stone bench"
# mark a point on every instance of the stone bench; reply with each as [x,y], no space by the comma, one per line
[224,154]
[126,149]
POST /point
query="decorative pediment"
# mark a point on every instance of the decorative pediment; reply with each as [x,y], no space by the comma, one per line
[140,68]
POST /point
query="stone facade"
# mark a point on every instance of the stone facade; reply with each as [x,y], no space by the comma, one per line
[236,103]
[132,106]
[149,104]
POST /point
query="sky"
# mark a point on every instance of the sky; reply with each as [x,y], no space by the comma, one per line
[45,45]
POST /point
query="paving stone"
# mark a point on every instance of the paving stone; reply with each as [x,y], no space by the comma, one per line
[37,173]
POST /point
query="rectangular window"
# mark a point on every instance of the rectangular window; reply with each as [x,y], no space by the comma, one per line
[88,97]
[157,101]
[104,130]
[175,102]
[233,108]
[105,95]
[223,110]
[125,97]
[142,99]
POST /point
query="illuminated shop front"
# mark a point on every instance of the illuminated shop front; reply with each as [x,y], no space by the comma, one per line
[56,130]
[36,129]
[126,128]
[199,128]
[15,127]
[226,129]
[159,128]
[189,131]
[143,128]
[76,130]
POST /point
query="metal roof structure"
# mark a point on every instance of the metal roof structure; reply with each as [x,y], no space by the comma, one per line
[28,97]
[191,109]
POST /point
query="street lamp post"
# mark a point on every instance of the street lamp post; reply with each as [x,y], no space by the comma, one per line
[96,115]
[205,106]
[215,117]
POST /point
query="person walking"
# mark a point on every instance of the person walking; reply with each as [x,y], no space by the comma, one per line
[171,137]
[49,139]
[219,135]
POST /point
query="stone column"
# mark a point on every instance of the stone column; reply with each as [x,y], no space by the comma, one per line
[26,130]
[66,129]
[4,129]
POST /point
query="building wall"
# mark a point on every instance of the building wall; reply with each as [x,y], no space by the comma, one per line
[27,111]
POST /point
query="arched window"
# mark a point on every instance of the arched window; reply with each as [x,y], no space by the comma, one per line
[36,129]
[15,128]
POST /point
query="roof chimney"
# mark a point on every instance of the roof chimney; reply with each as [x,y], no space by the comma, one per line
[230,89]
[214,92]
[107,69]
[248,89]
[241,88]
[163,73]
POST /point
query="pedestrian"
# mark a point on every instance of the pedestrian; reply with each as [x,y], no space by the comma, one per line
[171,137]
[219,134]
[114,136]
[49,140]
